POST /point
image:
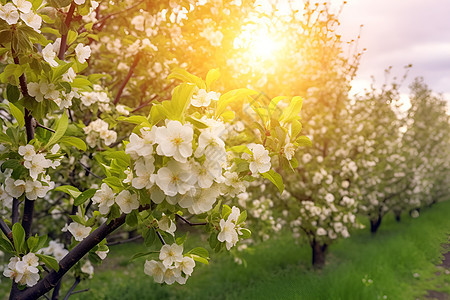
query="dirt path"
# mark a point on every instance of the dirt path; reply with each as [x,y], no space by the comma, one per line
[443,268]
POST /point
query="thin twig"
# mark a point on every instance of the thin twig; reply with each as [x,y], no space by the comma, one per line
[63,46]
[44,127]
[80,291]
[6,230]
[102,20]
[190,223]
[124,241]
[130,73]
[77,281]
[160,238]
[87,169]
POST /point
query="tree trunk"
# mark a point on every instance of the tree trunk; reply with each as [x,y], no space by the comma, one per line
[398,214]
[318,254]
[375,224]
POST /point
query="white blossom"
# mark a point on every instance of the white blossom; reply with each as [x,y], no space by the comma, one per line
[170,254]
[260,161]
[105,198]
[175,140]
[127,201]
[79,232]
[9,13]
[33,20]
[82,53]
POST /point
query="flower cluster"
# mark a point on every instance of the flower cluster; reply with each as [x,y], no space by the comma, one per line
[105,198]
[230,229]
[23,270]
[36,182]
[191,179]
[20,9]
[98,96]
[97,131]
[44,90]
[55,249]
[172,267]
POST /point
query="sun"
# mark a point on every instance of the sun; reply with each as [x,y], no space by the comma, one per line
[259,41]
[263,46]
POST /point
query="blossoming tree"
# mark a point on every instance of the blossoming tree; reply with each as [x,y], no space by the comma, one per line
[176,163]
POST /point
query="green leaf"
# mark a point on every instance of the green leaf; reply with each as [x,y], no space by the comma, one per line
[200,259]
[138,120]
[114,182]
[11,71]
[60,130]
[16,166]
[18,237]
[32,242]
[78,219]
[68,189]
[84,196]
[200,251]
[242,217]
[49,261]
[196,122]
[180,240]
[275,178]
[212,77]
[181,98]
[141,254]
[12,93]
[292,112]
[231,97]
[73,141]
[71,37]
[304,141]
[131,219]
[6,245]
[17,114]
[149,237]
[60,70]
[226,211]
[245,233]
[183,75]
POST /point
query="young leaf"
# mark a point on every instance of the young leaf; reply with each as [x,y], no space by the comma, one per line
[84,196]
[275,178]
[49,261]
[73,141]
[18,237]
[60,130]
[70,190]
[17,114]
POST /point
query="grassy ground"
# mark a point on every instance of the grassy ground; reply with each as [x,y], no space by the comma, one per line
[398,263]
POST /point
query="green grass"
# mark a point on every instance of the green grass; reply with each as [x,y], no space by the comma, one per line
[280,269]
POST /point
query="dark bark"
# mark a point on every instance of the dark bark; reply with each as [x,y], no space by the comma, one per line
[318,254]
[398,215]
[51,280]
[375,224]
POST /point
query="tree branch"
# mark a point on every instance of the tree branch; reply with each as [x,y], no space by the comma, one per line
[29,127]
[15,211]
[124,241]
[77,281]
[63,46]
[44,127]
[5,228]
[160,238]
[130,73]
[77,253]
[188,222]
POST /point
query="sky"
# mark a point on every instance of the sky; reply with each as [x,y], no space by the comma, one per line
[397,33]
